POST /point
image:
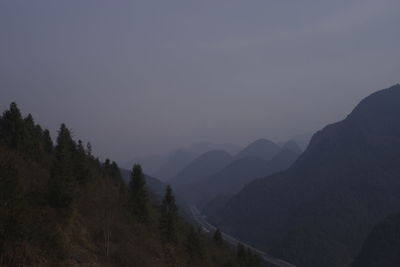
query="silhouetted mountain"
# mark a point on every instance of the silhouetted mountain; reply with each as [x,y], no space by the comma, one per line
[292,146]
[212,207]
[318,212]
[174,164]
[203,147]
[234,176]
[230,179]
[199,169]
[382,246]
[302,140]
[240,172]
[262,148]
[283,159]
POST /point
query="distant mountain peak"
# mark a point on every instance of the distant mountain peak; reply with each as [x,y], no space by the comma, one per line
[262,148]
[292,146]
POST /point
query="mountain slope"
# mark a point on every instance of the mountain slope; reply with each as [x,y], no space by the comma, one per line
[240,172]
[318,212]
[174,164]
[61,206]
[262,148]
[244,169]
[199,169]
[382,246]
[291,145]
[231,178]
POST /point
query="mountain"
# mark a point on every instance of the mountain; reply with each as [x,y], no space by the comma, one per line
[262,148]
[62,206]
[382,246]
[168,165]
[318,212]
[292,145]
[231,178]
[303,140]
[203,147]
[199,169]
[174,164]
[283,159]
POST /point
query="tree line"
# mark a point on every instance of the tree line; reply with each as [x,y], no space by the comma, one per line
[46,188]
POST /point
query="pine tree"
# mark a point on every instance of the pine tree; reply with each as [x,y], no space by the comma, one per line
[12,126]
[247,258]
[115,172]
[81,170]
[218,238]
[62,184]
[116,177]
[139,194]
[241,255]
[31,141]
[47,142]
[11,204]
[194,245]
[168,219]
[89,149]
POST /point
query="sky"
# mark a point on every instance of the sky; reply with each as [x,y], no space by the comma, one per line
[144,77]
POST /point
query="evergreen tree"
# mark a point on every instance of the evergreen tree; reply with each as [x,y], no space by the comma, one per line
[218,238]
[47,142]
[115,172]
[107,167]
[241,255]
[253,259]
[81,170]
[62,184]
[32,138]
[139,194]
[168,219]
[194,245]
[247,258]
[12,126]
[11,205]
[89,149]
[80,148]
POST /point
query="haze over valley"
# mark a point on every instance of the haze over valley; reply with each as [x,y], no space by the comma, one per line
[207,133]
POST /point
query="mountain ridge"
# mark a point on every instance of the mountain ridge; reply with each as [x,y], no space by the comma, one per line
[317,190]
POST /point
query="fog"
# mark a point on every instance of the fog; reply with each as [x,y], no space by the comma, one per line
[137,78]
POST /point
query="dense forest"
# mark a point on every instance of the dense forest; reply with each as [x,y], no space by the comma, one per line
[62,206]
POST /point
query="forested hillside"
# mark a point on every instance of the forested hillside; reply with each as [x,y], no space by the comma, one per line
[62,206]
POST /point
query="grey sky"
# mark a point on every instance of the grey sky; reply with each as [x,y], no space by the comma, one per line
[143,77]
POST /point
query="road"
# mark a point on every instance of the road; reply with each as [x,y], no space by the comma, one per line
[209,228]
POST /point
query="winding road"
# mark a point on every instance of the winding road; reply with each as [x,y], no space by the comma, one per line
[207,227]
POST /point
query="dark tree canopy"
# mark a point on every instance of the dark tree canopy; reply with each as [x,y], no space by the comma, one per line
[218,238]
[139,194]
[168,220]
[62,184]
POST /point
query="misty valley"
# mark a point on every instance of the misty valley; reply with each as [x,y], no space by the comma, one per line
[336,203]
[212,133]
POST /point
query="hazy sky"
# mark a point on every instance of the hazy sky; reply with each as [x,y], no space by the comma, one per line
[143,77]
